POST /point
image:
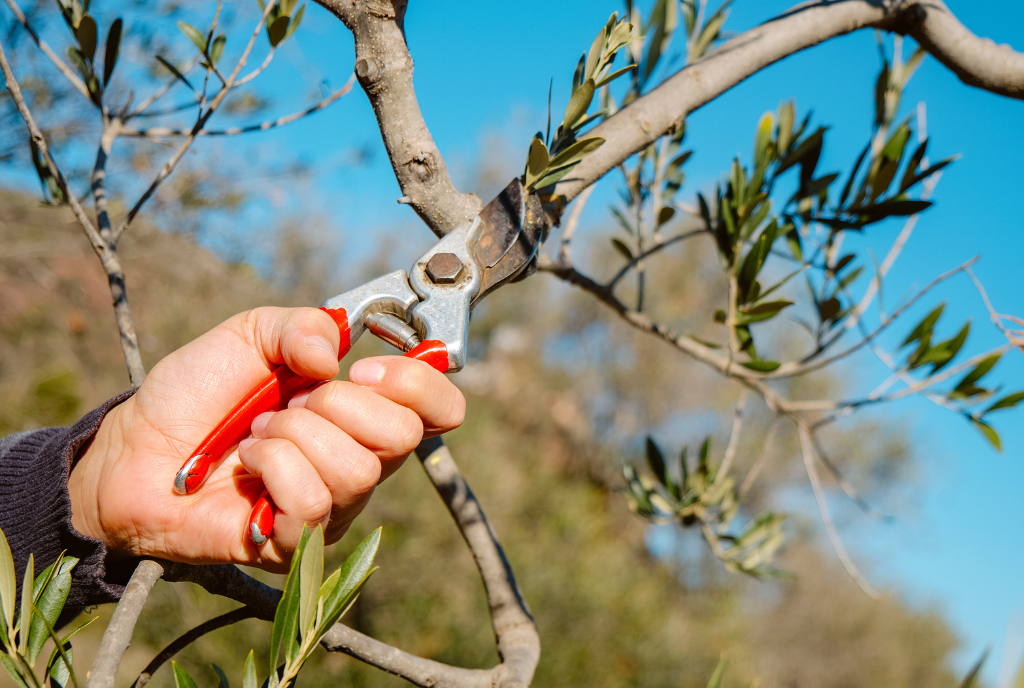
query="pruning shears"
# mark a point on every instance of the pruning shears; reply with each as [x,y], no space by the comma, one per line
[424,312]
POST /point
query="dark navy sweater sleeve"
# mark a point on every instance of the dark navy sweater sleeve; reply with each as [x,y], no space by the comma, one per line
[35,510]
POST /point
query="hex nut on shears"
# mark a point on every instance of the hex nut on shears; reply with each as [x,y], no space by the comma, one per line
[444,268]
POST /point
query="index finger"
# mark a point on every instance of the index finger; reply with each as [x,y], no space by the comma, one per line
[415,385]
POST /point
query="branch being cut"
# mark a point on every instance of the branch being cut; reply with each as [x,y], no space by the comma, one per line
[384,68]
[976,61]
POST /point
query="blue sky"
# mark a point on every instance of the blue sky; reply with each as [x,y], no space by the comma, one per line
[484,69]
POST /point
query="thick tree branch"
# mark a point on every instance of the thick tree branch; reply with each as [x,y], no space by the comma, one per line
[978,62]
[384,68]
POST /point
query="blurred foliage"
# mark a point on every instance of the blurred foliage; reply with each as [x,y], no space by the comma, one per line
[554,386]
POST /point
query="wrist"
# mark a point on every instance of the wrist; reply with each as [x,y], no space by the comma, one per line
[84,481]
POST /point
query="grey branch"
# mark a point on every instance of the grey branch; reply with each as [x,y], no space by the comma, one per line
[978,62]
[384,68]
[102,243]
[61,65]
[122,623]
[160,132]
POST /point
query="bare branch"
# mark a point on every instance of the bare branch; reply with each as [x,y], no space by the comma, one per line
[378,28]
[849,489]
[102,243]
[68,73]
[977,61]
[122,623]
[564,248]
[1015,338]
[734,435]
[658,245]
[186,639]
[819,495]
[160,92]
[160,132]
[514,629]
[755,470]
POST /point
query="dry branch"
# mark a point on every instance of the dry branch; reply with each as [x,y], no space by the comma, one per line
[384,68]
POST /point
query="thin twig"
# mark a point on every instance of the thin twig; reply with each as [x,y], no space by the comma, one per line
[160,92]
[259,70]
[68,73]
[734,435]
[997,318]
[160,132]
[104,246]
[849,489]
[186,639]
[755,470]
[658,246]
[819,495]
[564,249]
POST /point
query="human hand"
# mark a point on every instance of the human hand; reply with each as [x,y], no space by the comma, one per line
[320,459]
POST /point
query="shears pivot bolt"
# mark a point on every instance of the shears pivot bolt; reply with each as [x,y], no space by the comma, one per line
[444,268]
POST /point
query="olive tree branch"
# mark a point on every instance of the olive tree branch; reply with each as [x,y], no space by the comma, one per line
[160,92]
[122,623]
[385,68]
[807,450]
[62,66]
[977,61]
[103,244]
[734,435]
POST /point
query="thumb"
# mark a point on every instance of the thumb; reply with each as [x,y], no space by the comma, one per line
[305,339]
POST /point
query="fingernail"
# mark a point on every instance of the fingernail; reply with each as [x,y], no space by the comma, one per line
[260,422]
[299,400]
[246,443]
[366,372]
[318,342]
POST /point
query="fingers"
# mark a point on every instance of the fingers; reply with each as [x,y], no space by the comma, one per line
[315,472]
[414,385]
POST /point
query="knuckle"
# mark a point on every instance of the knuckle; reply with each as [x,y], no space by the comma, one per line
[316,504]
[364,473]
[408,431]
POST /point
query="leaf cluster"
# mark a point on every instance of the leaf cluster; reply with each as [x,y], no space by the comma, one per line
[85,31]
[550,159]
[282,20]
[700,495]
[23,635]
[968,390]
